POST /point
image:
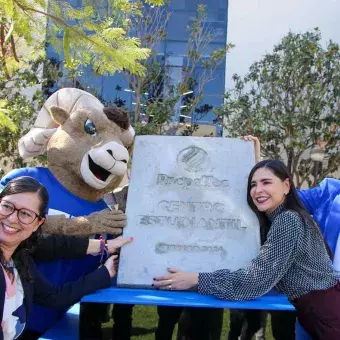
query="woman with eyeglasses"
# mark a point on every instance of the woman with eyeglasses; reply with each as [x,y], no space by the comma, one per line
[23,204]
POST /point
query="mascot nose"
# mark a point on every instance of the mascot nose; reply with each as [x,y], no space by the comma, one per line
[111,153]
[112,157]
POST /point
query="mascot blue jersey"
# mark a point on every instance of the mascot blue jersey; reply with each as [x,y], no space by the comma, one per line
[58,272]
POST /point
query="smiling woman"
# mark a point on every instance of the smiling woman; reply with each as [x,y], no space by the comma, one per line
[23,205]
[293,257]
[268,191]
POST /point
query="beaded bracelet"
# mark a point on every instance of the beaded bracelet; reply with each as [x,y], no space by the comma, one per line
[103,249]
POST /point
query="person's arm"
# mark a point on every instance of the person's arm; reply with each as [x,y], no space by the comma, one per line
[257,146]
[54,247]
[113,245]
[47,295]
[265,271]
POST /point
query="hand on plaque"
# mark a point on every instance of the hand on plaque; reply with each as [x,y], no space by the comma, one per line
[176,280]
[114,245]
[257,146]
[111,265]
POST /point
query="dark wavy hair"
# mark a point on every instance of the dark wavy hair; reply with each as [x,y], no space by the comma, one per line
[19,185]
[291,202]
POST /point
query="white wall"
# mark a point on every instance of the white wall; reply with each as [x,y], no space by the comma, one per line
[255,26]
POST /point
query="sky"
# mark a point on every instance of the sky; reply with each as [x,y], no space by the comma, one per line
[255,26]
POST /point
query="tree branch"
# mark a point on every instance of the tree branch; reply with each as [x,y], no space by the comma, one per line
[60,21]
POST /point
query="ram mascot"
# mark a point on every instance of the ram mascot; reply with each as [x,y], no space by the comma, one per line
[88,149]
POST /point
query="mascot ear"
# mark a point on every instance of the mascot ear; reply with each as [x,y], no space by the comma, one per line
[58,114]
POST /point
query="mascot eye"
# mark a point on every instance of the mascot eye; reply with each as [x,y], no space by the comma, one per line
[90,129]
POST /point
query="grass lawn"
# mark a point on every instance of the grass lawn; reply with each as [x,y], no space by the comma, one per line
[145,321]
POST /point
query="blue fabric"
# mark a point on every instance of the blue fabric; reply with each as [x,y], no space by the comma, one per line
[60,271]
[323,202]
[273,300]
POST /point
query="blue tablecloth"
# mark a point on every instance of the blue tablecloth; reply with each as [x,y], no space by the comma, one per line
[271,301]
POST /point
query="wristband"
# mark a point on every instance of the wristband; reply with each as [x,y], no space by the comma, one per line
[104,252]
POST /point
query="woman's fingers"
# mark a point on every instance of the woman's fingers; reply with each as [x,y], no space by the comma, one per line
[111,265]
[162,278]
[173,270]
[164,284]
[250,138]
[257,146]
[115,244]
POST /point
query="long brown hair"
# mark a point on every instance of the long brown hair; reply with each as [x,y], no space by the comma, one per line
[292,201]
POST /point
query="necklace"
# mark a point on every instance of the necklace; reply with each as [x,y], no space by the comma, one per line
[8,264]
[9,269]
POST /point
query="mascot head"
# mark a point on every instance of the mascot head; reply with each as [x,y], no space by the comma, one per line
[88,146]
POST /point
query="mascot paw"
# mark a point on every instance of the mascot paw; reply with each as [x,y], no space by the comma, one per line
[107,222]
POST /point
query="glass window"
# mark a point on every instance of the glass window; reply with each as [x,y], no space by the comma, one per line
[176,48]
[116,90]
[177,25]
[215,5]
[188,5]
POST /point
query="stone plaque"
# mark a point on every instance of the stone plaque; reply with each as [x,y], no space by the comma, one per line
[187,208]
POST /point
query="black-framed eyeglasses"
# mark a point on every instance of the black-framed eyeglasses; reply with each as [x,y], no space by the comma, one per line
[25,216]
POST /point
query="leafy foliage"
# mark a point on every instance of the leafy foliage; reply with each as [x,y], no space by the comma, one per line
[94,34]
[156,96]
[21,108]
[5,121]
[22,113]
[290,99]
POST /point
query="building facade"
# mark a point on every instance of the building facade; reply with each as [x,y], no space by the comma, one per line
[173,50]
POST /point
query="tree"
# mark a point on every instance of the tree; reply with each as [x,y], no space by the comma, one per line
[150,28]
[156,97]
[94,34]
[21,109]
[290,99]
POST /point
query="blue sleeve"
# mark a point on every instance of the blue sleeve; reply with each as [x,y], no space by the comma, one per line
[326,190]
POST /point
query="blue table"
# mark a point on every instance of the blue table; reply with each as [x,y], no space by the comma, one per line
[271,301]
[67,327]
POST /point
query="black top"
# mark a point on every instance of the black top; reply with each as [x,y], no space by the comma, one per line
[293,258]
[55,247]
[41,291]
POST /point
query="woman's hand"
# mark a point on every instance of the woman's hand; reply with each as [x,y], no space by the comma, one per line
[176,280]
[257,146]
[114,245]
[112,264]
